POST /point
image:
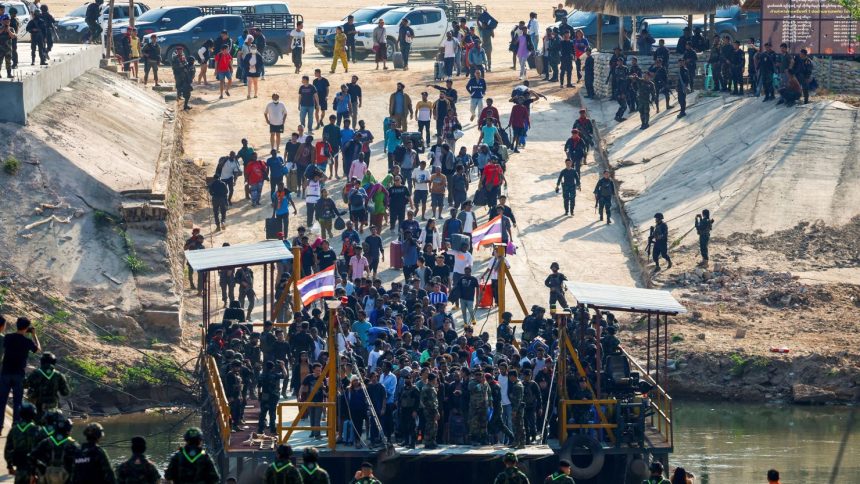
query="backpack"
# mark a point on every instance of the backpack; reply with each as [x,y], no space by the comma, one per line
[55,472]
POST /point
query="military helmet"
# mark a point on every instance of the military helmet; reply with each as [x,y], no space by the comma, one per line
[658,216]
[193,433]
[27,412]
[48,358]
[53,416]
[554,265]
[63,426]
[285,451]
[94,431]
[510,457]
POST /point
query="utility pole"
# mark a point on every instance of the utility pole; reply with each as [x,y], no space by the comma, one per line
[109,33]
[131,13]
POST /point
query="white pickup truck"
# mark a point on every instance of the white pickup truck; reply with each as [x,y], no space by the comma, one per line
[429,24]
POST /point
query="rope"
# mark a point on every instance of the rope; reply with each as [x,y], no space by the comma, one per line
[545,425]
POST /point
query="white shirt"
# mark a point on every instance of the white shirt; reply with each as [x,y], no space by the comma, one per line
[470,223]
[424,114]
[450,48]
[372,358]
[503,383]
[276,112]
[312,194]
[229,167]
[342,341]
[534,28]
[494,274]
[462,260]
[421,179]
[297,38]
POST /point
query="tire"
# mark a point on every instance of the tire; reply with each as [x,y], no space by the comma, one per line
[728,33]
[390,49]
[362,55]
[597,456]
[326,53]
[171,53]
[430,54]
[270,55]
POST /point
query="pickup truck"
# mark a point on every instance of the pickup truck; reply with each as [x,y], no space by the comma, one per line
[324,35]
[191,36]
[157,20]
[736,23]
[72,29]
[587,22]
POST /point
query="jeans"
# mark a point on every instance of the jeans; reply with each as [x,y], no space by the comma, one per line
[569,195]
[449,66]
[404,49]
[256,190]
[15,384]
[270,409]
[307,112]
[604,204]
[507,416]
[341,117]
[468,308]
[524,65]
[219,210]
[475,103]
[311,211]
[316,418]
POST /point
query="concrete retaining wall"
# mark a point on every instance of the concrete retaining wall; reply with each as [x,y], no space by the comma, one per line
[21,97]
[839,76]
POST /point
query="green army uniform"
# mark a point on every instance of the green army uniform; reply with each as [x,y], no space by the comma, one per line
[645,92]
[496,423]
[313,474]
[44,387]
[366,480]
[430,406]
[516,394]
[656,480]
[54,458]
[282,472]
[137,470]
[92,465]
[479,395]
[511,475]
[21,440]
[558,478]
[191,465]
[408,403]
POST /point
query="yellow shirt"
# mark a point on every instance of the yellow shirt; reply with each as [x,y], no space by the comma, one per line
[339,41]
[135,47]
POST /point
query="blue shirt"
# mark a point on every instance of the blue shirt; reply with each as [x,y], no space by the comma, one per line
[477,87]
[346,136]
[389,381]
[398,103]
[360,328]
[276,167]
[343,102]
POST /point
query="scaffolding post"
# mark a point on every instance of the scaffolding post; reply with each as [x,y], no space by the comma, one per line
[297,274]
[599,31]
[499,250]
[561,380]
[331,418]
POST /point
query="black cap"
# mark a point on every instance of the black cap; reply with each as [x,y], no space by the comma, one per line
[564,463]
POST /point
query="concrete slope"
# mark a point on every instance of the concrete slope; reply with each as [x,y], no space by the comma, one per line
[755,166]
[81,147]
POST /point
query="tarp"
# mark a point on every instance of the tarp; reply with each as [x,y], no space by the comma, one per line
[606,296]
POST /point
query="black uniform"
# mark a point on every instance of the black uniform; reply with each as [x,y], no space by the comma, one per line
[568,179]
[36,28]
[269,384]
[565,49]
[803,70]
[551,59]
[766,69]
[555,283]
[603,192]
[691,59]
[219,191]
[92,466]
[409,401]
[703,228]
[589,75]
[738,60]
[683,82]
[620,84]
[726,56]
[661,244]
[661,84]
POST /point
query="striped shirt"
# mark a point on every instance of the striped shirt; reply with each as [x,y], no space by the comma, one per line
[438,298]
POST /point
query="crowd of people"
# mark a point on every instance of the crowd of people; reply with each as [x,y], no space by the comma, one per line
[41,28]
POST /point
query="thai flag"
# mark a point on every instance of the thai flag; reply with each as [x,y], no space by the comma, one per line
[317,286]
[488,234]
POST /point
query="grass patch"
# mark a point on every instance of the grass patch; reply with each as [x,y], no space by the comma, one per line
[111,338]
[104,219]
[153,370]
[11,165]
[134,263]
[4,292]
[89,368]
[741,364]
[677,338]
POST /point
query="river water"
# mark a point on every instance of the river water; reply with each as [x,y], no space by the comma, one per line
[721,443]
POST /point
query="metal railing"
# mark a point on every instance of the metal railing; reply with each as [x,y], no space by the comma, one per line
[576,426]
[659,401]
[219,399]
[329,425]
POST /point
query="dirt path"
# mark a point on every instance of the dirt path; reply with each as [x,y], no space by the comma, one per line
[592,251]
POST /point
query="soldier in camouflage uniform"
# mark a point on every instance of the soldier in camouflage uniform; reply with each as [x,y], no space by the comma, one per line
[479,402]
[562,476]
[23,437]
[282,471]
[45,385]
[407,406]
[533,405]
[191,464]
[497,424]
[430,404]
[512,474]
[92,465]
[645,92]
[53,459]
[310,471]
[138,469]
[516,394]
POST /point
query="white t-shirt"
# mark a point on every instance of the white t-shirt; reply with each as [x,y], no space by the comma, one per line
[229,167]
[462,260]
[421,179]
[534,28]
[494,274]
[503,383]
[297,38]
[313,192]
[470,223]
[450,47]
[424,113]
[275,112]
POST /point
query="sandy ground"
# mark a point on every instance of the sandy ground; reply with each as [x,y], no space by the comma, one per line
[592,250]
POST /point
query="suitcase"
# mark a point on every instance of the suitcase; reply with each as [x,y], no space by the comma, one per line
[395,255]
[273,226]
[531,60]
[439,71]
[459,240]
[539,65]
[397,60]
[485,295]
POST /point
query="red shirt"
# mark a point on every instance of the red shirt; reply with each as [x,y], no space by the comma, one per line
[255,172]
[223,62]
[519,116]
[323,152]
[492,175]
[488,112]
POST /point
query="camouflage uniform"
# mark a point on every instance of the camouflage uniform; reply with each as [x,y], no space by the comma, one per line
[44,387]
[645,92]
[21,440]
[497,424]
[430,404]
[479,394]
[511,475]
[92,466]
[516,394]
[56,452]
[282,472]
[192,465]
[313,474]
[558,478]
[137,470]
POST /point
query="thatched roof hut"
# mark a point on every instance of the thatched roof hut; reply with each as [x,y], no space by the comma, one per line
[640,7]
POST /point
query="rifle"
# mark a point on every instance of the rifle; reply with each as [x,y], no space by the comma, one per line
[650,241]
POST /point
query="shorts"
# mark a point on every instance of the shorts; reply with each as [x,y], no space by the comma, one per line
[518,132]
[323,104]
[420,196]
[276,128]
[358,216]
[374,263]
[222,76]
[437,199]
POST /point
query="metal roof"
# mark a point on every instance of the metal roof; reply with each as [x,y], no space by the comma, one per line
[238,255]
[606,296]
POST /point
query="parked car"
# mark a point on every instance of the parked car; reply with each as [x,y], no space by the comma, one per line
[249,6]
[158,20]
[324,35]
[737,23]
[23,18]
[670,29]
[587,22]
[191,36]
[73,28]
